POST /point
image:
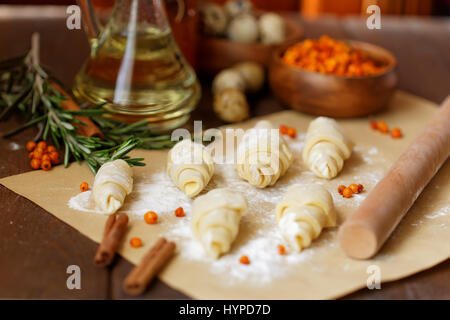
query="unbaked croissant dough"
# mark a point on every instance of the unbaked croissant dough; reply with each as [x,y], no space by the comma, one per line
[190,166]
[326,148]
[263,156]
[113,182]
[302,214]
[215,219]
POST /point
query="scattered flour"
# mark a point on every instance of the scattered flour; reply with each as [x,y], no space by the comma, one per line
[373,151]
[259,241]
[83,202]
[417,223]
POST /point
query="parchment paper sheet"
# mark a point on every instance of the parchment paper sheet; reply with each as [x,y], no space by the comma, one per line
[421,241]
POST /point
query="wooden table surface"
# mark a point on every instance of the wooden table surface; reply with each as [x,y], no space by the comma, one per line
[36,248]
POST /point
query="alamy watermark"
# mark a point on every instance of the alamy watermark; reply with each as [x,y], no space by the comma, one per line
[374,279]
[374,20]
[74,280]
[73,21]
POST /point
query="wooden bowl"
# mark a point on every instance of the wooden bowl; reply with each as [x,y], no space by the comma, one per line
[215,54]
[332,95]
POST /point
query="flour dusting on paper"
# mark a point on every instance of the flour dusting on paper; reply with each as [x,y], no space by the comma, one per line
[259,242]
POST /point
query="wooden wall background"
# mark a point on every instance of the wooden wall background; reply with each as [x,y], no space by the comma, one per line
[313,8]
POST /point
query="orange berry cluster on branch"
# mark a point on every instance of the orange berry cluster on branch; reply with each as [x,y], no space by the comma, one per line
[42,156]
[330,56]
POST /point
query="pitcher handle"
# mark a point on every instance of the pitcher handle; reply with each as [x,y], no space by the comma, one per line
[93,26]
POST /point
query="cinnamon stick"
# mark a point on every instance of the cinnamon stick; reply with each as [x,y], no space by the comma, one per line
[157,257]
[88,130]
[114,231]
[109,224]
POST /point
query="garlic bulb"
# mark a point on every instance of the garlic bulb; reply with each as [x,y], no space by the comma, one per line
[234,8]
[231,105]
[214,19]
[253,75]
[228,78]
[272,28]
[243,29]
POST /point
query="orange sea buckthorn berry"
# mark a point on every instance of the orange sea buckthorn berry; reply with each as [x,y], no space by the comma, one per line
[330,56]
[46,157]
[46,165]
[37,153]
[51,149]
[31,145]
[292,132]
[244,260]
[341,188]
[179,212]
[374,125]
[382,127]
[84,187]
[136,242]
[360,188]
[35,163]
[283,129]
[281,250]
[354,187]
[347,193]
[151,217]
[54,157]
[42,145]
[396,133]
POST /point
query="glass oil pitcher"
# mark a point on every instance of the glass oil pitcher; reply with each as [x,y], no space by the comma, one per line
[135,67]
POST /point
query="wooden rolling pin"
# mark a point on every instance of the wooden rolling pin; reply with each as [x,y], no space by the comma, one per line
[363,234]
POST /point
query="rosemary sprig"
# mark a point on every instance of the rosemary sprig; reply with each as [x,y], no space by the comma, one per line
[25,87]
[118,131]
[100,156]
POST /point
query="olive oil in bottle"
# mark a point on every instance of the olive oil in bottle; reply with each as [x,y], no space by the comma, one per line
[138,72]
